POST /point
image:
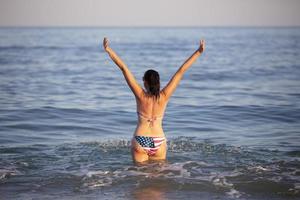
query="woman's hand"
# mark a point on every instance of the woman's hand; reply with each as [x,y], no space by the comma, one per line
[105,44]
[202,46]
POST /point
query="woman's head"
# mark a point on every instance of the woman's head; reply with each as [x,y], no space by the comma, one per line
[152,83]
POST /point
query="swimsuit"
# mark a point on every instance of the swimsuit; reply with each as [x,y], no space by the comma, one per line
[150,144]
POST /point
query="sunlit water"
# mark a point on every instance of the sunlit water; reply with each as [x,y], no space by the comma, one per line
[67,115]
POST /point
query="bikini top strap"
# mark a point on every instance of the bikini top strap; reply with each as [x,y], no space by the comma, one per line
[149,119]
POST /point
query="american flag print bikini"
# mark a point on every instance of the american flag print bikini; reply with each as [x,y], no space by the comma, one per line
[150,144]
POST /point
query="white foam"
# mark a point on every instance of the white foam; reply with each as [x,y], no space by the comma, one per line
[258,168]
[97,178]
[6,173]
[234,193]
[221,181]
[99,172]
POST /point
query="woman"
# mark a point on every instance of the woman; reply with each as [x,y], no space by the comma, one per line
[149,142]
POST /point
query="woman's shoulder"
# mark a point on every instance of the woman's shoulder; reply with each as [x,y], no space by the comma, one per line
[145,97]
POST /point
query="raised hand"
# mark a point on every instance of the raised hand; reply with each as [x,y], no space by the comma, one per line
[202,46]
[105,44]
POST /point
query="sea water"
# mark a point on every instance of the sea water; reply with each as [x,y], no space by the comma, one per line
[67,115]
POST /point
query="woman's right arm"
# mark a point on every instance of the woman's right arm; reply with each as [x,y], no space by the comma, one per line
[131,81]
[173,83]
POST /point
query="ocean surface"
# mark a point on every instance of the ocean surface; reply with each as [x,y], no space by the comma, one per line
[67,115]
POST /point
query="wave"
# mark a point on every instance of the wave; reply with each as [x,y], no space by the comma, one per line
[194,176]
[192,165]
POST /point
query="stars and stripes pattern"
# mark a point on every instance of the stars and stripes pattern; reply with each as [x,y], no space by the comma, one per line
[150,144]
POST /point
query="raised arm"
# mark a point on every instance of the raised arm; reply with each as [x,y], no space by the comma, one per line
[173,83]
[131,81]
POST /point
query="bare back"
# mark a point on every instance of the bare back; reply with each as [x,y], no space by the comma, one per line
[150,115]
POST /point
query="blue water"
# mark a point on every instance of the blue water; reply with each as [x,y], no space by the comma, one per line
[67,115]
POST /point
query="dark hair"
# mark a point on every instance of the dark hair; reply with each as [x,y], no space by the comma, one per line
[152,79]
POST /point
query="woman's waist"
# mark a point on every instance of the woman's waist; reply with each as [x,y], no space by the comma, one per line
[152,125]
[148,121]
[150,132]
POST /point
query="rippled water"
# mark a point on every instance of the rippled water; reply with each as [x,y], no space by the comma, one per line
[67,115]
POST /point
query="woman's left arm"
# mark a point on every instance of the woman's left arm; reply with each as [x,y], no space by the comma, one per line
[131,81]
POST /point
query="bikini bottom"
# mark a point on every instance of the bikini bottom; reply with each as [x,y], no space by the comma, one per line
[150,144]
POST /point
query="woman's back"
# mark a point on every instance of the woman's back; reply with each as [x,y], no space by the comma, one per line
[150,114]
